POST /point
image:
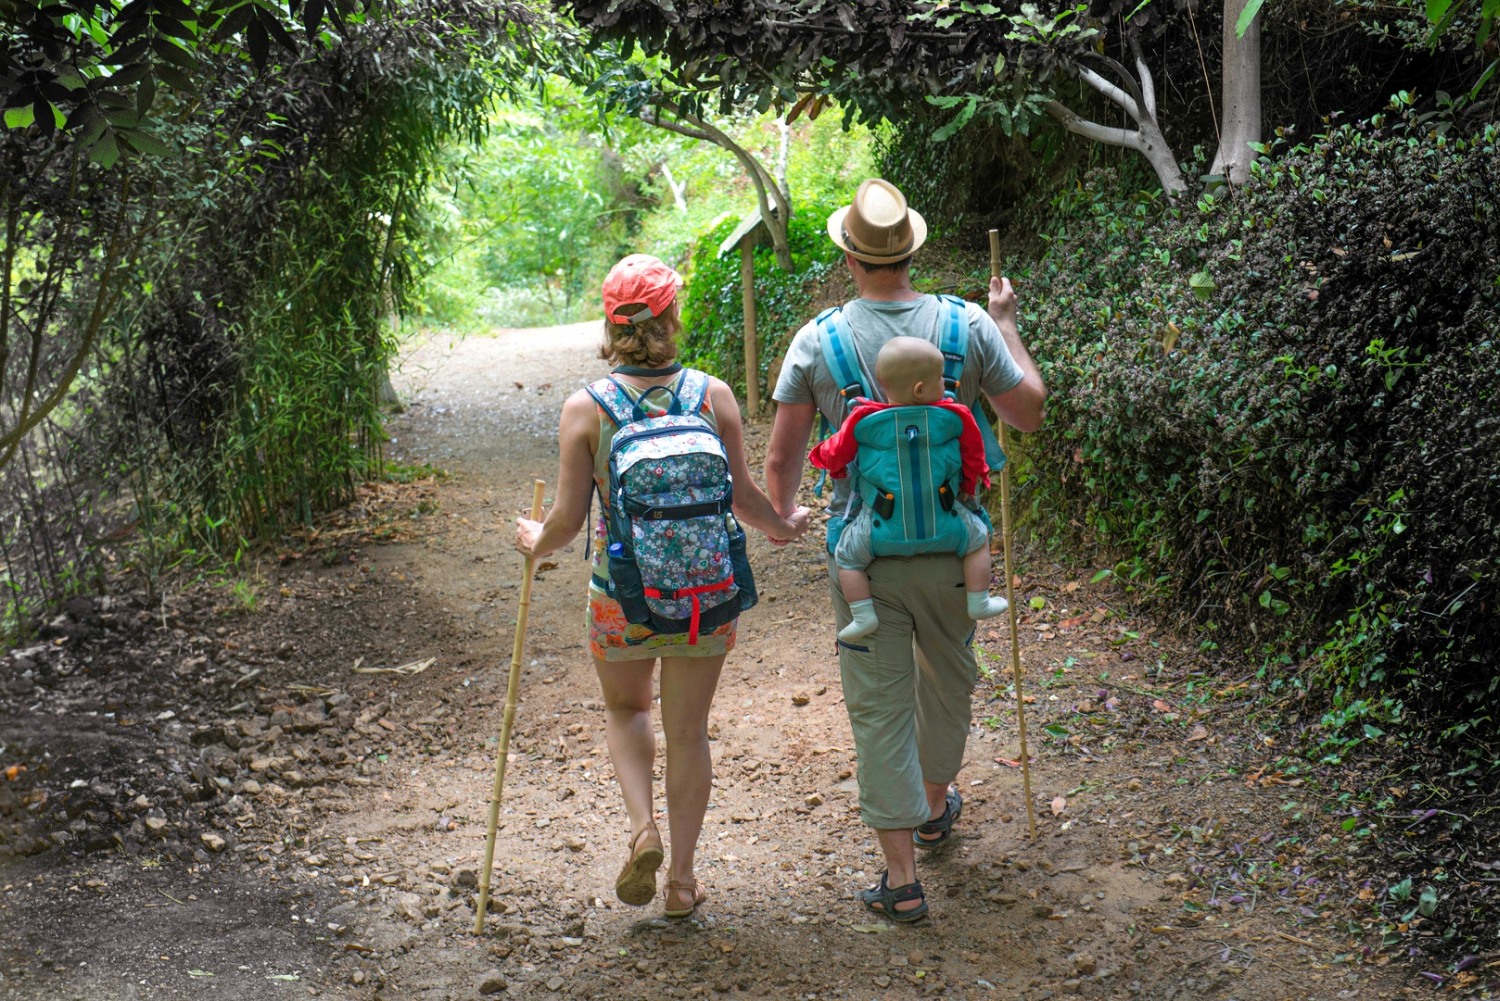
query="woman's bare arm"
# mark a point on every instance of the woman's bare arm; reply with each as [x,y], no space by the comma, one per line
[751,505]
[577,440]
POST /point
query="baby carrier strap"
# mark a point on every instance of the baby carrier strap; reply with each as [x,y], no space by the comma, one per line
[954,343]
[837,344]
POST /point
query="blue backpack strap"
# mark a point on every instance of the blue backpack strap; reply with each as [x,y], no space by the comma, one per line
[954,343]
[838,354]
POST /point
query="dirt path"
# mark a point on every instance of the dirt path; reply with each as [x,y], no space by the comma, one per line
[240,797]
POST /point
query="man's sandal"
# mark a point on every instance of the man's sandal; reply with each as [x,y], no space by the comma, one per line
[937,832]
[883,898]
[637,882]
[693,893]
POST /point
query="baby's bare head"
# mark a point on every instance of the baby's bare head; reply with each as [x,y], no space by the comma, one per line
[910,370]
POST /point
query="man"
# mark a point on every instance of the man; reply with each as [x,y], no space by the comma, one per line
[906,686]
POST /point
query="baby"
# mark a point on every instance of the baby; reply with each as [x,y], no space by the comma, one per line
[910,371]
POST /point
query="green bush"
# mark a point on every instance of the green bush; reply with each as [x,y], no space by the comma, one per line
[713,304]
[1276,406]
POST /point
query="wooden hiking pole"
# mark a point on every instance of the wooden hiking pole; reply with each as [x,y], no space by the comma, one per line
[511,688]
[1010,586]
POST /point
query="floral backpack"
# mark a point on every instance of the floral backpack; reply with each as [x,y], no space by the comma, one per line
[677,558]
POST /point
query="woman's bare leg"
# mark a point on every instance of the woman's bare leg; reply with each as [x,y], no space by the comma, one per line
[687,693]
[631,738]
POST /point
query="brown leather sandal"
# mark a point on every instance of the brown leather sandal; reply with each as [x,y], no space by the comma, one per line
[692,892]
[637,882]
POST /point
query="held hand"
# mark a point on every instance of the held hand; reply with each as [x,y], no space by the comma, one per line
[796,525]
[801,520]
[797,522]
[527,533]
[1002,306]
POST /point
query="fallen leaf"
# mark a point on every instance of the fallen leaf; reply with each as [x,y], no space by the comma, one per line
[1200,732]
[1169,337]
[870,929]
[199,973]
[1059,804]
[1071,586]
[546,565]
[1160,706]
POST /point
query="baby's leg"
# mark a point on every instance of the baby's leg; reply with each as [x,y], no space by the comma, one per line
[851,556]
[977,572]
[856,586]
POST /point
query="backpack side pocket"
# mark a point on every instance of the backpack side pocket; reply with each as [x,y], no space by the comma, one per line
[739,562]
[625,585]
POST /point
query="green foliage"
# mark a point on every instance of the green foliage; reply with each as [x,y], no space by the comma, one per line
[1276,407]
[91,68]
[825,162]
[209,333]
[521,225]
[523,228]
[713,305]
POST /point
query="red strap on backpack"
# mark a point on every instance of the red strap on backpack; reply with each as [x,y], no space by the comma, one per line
[691,592]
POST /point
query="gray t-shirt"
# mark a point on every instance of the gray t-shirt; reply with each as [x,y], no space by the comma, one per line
[988,365]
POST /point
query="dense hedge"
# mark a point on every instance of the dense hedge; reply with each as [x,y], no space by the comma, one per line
[1277,407]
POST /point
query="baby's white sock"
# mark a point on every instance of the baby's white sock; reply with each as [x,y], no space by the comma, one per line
[864,620]
[983,605]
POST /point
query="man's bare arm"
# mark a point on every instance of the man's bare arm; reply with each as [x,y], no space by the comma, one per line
[787,452]
[1023,406]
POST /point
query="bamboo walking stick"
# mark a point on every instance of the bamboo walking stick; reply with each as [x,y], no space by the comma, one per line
[1010,587]
[511,688]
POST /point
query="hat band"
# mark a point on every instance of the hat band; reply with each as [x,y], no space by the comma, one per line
[855,247]
[635,318]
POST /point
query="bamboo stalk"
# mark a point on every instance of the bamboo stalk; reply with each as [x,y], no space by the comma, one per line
[1010,586]
[511,687]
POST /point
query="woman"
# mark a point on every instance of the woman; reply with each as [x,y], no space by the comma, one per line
[642,321]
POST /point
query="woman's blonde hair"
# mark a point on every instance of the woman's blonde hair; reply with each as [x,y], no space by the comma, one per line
[652,343]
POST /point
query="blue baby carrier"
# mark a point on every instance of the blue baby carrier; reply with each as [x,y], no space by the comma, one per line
[908,467]
[677,560]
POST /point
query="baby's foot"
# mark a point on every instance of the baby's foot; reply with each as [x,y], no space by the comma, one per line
[983,605]
[864,622]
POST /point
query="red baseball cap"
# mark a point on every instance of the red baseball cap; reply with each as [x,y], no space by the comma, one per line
[639,278]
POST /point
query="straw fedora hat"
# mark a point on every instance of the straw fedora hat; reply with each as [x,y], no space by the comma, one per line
[878,227]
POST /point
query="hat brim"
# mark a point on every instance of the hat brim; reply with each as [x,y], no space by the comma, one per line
[836,234]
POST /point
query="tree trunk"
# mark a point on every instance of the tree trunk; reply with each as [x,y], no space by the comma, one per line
[767,191]
[676,188]
[1241,97]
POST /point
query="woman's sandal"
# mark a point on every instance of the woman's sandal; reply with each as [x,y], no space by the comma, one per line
[937,832]
[693,892]
[637,883]
[883,898]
